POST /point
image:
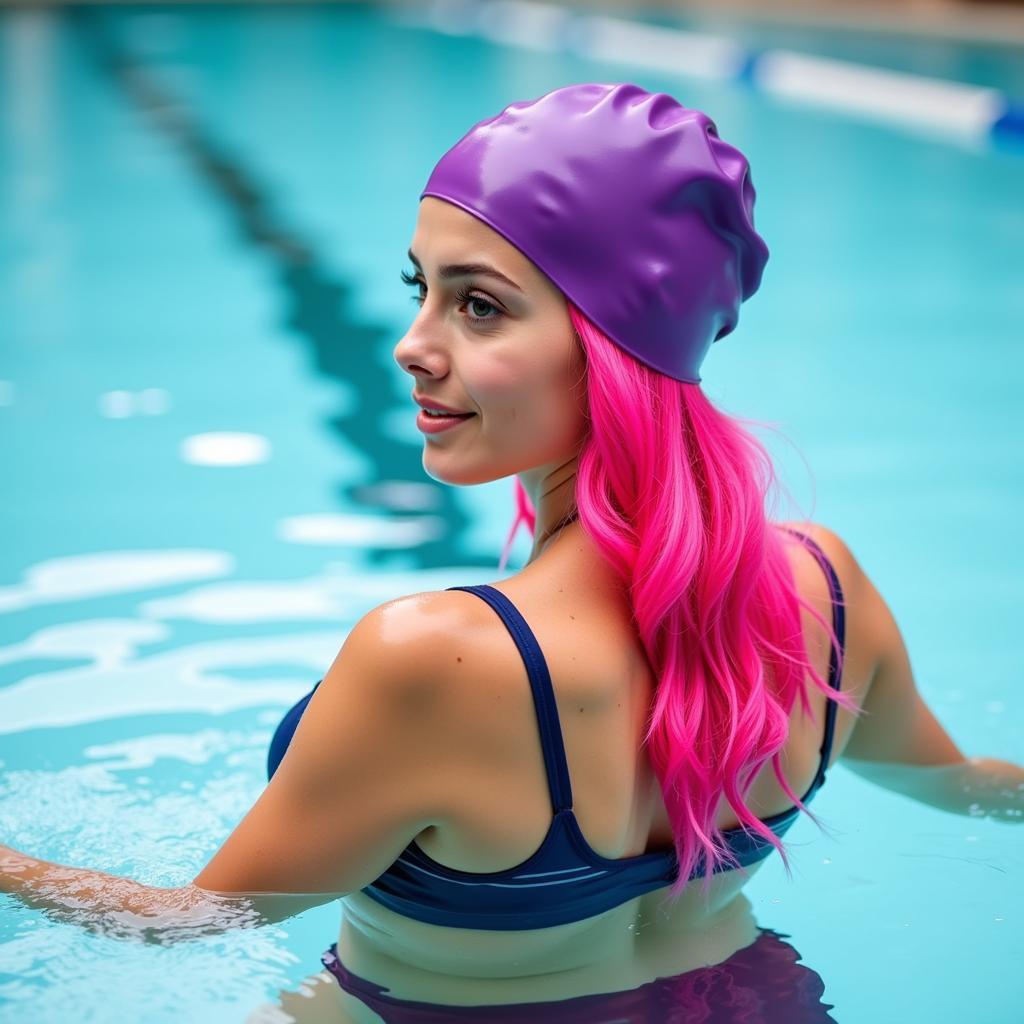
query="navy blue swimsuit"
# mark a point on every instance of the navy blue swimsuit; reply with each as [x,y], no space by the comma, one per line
[565,879]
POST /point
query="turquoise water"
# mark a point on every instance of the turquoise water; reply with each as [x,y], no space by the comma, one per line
[210,468]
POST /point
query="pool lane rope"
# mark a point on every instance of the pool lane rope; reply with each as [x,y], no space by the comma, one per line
[971,115]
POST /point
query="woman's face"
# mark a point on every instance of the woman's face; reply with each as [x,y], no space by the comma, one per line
[502,349]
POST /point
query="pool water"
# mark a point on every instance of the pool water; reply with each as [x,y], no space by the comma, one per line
[211,470]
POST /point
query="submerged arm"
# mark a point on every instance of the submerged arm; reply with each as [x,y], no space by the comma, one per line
[977,787]
[123,908]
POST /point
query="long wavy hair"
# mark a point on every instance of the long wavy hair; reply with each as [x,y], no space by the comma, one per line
[677,495]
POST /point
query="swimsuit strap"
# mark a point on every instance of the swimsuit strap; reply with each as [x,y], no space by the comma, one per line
[555,763]
[839,628]
[552,744]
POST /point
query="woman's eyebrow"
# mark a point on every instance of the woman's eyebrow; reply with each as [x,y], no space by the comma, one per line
[450,270]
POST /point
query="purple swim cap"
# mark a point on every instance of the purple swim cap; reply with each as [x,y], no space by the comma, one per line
[629,202]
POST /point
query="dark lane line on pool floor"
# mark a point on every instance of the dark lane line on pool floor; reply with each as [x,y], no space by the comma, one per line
[316,308]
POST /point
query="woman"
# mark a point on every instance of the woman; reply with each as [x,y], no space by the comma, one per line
[535,792]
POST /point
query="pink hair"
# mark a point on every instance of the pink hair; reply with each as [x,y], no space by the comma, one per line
[674,493]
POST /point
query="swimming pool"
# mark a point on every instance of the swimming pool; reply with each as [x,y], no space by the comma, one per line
[211,469]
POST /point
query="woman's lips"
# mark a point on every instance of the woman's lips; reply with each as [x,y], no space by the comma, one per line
[435,424]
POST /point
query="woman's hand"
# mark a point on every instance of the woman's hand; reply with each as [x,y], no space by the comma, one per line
[997,788]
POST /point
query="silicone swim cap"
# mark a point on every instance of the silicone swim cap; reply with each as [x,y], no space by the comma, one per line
[629,202]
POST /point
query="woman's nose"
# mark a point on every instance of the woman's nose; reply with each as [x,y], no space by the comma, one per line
[418,354]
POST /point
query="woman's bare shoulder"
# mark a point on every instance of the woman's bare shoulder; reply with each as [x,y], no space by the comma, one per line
[434,617]
[861,635]
[847,569]
[440,636]
[831,543]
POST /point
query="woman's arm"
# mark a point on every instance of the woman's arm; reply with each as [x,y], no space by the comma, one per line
[123,908]
[898,743]
[977,787]
[371,764]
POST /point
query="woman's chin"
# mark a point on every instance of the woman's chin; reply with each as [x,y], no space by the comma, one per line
[458,473]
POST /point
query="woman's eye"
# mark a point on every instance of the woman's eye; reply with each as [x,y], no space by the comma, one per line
[480,309]
[413,279]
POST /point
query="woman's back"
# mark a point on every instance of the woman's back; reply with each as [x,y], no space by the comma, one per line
[603,687]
